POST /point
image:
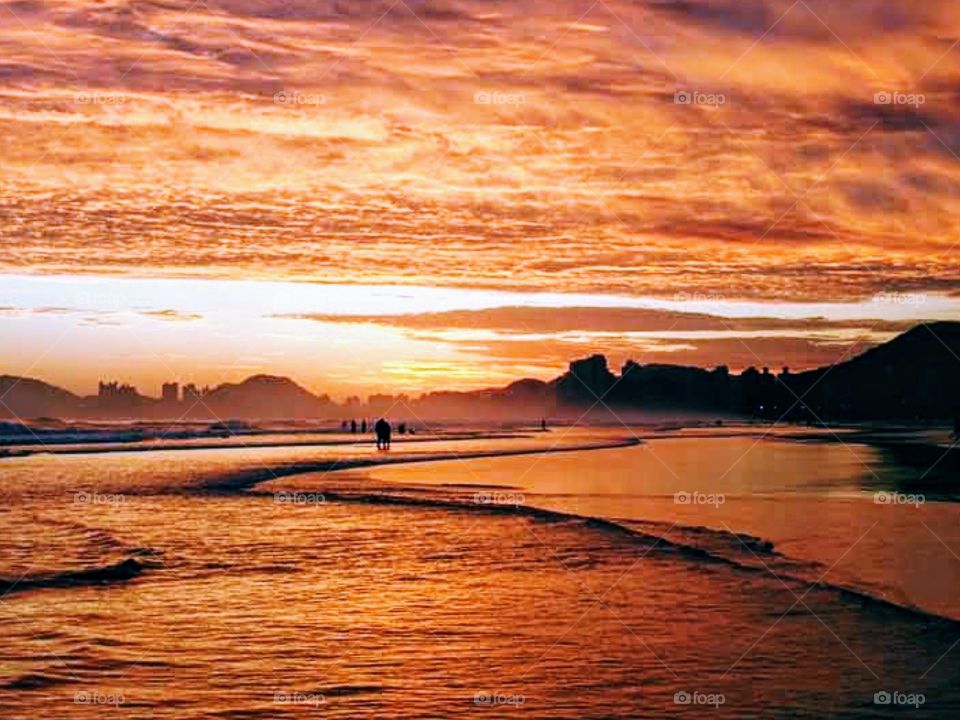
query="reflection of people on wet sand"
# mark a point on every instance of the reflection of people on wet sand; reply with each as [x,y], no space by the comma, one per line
[382,429]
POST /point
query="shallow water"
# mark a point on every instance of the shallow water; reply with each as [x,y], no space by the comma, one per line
[416,591]
[843,513]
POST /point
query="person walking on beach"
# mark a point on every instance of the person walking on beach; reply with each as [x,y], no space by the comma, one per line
[383,429]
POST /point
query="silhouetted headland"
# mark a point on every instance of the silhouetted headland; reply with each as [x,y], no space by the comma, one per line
[915,376]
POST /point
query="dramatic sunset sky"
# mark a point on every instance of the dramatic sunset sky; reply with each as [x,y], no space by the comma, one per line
[407,195]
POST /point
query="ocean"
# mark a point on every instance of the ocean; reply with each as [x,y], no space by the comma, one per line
[578,573]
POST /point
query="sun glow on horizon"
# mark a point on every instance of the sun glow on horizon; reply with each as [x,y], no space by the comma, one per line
[353,339]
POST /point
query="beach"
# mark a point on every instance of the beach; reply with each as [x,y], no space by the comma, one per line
[582,572]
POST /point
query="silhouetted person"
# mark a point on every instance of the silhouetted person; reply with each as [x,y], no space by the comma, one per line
[382,429]
[543,424]
[343,425]
[402,428]
[363,427]
[353,427]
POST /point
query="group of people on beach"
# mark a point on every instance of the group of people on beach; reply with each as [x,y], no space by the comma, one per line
[381,428]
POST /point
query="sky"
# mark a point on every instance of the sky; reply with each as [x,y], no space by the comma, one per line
[414,195]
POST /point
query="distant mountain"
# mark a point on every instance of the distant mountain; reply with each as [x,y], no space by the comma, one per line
[25,397]
[914,376]
[259,396]
[522,399]
[264,396]
[644,392]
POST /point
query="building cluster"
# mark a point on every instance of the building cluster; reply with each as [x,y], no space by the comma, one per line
[171,392]
[108,390]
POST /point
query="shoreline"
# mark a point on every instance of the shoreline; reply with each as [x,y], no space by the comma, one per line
[882,436]
[97,447]
[252,478]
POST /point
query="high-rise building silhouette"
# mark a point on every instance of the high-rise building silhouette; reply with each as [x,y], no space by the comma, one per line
[170,392]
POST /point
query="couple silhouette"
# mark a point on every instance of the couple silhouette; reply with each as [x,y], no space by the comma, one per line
[383,430]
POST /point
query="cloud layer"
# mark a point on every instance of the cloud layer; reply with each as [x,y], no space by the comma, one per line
[516,145]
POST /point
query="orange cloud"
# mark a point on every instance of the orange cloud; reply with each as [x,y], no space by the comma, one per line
[763,150]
